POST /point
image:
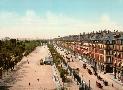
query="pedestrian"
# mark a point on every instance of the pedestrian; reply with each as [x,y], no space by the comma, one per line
[29,83]
[72,60]
[38,79]
[112,85]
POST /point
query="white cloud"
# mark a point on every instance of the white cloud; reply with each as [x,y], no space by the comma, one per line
[52,25]
[107,23]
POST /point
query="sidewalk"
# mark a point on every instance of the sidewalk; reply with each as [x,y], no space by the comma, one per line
[56,78]
[72,85]
[111,76]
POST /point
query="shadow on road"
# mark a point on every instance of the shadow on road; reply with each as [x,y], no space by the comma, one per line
[4,87]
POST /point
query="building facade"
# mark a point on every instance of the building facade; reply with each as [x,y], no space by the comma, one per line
[103,50]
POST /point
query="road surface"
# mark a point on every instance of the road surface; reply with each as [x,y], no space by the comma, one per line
[86,77]
[29,74]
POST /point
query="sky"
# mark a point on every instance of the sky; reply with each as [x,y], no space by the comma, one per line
[53,18]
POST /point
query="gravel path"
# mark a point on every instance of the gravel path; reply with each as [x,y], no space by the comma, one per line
[32,75]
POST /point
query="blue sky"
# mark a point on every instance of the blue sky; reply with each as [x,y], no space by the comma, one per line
[58,17]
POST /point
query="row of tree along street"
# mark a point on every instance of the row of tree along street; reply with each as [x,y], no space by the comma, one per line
[12,51]
[57,59]
[60,62]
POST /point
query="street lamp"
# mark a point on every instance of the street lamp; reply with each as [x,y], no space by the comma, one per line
[89,84]
[115,71]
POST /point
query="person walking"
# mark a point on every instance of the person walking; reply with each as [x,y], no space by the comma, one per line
[112,85]
[38,79]
[27,61]
[29,83]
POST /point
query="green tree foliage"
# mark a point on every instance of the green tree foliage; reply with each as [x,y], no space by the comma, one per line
[58,59]
[12,51]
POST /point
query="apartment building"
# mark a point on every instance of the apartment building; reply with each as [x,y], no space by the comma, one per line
[103,49]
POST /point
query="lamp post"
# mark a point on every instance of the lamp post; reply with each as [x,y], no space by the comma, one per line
[89,84]
[115,71]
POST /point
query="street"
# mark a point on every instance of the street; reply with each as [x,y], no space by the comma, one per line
[29,74]
[76,63]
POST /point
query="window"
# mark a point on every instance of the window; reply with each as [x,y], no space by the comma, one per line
[121,54]
[108,59]
[111,46]
[109,52]
[102,51]
[120,48]
[122,41]
[107,42]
